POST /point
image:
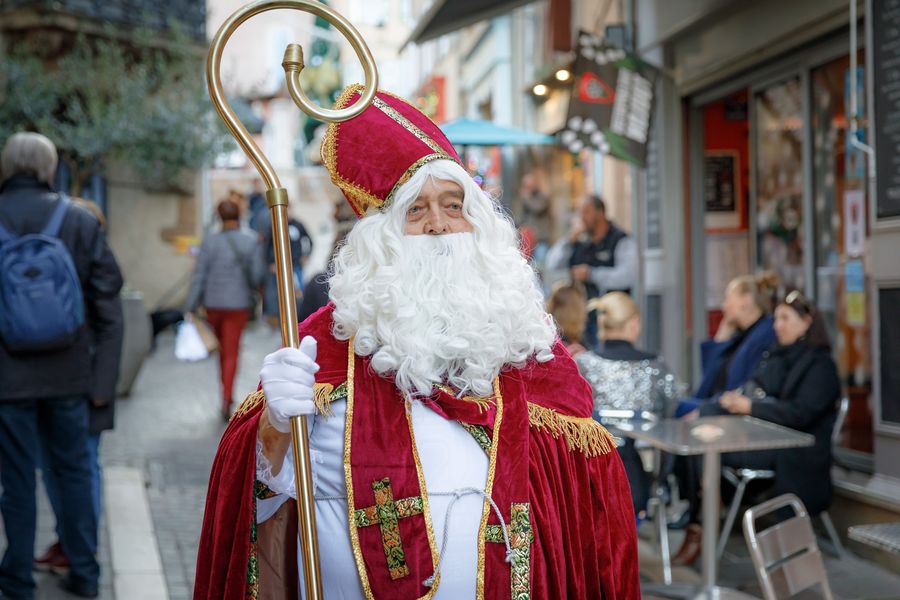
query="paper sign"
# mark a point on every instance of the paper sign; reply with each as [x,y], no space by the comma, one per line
[854,223]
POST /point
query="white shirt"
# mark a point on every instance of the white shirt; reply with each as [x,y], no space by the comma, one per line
[451,460]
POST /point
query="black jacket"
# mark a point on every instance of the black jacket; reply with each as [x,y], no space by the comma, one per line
[90,366]
[798,387]
[802,388]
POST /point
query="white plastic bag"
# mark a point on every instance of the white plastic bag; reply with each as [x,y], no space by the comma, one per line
[189,345]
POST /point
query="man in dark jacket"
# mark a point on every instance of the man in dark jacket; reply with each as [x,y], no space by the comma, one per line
[598,254]
[45,396]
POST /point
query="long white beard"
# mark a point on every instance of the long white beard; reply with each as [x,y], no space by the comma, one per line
[439,309]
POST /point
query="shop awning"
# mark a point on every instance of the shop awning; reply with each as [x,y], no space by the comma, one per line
[445,16]
[478,132]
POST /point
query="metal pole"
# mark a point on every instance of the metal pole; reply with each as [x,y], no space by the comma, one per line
[277,199]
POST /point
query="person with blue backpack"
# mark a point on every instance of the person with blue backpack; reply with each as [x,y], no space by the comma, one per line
[60,341]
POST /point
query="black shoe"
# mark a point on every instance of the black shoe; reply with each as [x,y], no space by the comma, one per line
[79,588]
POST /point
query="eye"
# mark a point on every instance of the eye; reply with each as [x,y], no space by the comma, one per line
[414,209]
[455,206]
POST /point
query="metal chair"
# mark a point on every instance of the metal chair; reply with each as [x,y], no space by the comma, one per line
[785,556]
[740,478]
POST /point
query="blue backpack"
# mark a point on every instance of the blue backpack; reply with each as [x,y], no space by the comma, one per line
[41,302]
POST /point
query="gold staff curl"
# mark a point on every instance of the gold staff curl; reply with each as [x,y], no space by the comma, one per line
[277,199]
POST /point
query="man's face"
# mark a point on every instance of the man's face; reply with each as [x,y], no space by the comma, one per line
[588,213]
[437,210]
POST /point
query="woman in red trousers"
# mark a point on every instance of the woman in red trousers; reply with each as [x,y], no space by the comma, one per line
[230,268]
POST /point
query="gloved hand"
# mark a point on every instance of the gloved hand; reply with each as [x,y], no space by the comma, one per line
[287,379]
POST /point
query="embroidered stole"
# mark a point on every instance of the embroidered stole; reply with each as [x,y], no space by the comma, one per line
[391,532]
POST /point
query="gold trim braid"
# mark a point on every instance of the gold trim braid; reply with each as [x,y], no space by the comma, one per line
[348,478]
[581,433]
[488,490]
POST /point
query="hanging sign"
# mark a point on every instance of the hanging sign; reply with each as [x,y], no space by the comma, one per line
[611,101]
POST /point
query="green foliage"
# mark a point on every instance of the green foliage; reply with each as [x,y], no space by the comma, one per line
[144,105]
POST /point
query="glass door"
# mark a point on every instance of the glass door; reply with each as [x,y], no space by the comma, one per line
[778,128]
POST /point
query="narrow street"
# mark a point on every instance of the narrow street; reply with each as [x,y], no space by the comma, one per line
[169,428]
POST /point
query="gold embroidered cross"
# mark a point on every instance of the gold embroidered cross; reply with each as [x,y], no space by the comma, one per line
[520,539]
[386,513]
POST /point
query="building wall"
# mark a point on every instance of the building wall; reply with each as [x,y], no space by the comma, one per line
[151,233]
[701,43]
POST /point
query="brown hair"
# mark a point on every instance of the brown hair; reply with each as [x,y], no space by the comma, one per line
[613,311]
[567,305]
[228,210]
[816,336]
[762,286]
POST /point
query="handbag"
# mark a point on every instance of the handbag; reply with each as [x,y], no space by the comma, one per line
[189,346]
[206,334]
[248,278]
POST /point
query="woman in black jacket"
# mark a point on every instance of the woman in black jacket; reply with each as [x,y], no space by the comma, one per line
[795,385]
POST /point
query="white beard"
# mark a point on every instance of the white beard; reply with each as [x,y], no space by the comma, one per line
[435,309]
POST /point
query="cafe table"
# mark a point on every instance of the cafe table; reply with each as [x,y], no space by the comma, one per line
[710,437]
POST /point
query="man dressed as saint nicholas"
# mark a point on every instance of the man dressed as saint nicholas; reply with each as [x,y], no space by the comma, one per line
[453,451]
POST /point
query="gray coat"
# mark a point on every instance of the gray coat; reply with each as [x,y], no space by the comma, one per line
[226,261]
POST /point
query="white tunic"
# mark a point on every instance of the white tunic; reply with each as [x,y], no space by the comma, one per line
[451,460]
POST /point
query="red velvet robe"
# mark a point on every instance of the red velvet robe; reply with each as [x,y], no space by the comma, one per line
[550,462]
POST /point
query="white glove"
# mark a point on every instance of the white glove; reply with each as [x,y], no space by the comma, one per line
[287,379]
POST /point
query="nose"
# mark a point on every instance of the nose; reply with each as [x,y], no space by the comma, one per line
[437,224]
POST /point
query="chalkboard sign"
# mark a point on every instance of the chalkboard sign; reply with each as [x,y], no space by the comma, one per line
[889,332]
[886,78]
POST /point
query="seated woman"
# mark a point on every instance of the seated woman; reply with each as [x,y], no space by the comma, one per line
[625,378]
[797,386]
[728,360]
[744,333]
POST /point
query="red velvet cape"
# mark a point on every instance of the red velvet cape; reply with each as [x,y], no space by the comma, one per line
[584,541]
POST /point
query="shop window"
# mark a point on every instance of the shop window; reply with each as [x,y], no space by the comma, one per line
[839,217]
[778,131]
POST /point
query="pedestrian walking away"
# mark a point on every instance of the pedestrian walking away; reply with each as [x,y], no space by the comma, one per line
[48,382]
[225,283]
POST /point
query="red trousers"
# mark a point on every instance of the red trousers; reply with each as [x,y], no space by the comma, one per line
[228,325]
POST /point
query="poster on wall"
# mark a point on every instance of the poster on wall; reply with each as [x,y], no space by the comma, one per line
[721,191]
[854,223]
[611,101]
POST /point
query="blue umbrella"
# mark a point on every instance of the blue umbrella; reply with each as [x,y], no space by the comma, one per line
[480,132]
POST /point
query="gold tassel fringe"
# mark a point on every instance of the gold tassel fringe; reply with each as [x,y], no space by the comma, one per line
[322,398]
[249,403]
[581,433]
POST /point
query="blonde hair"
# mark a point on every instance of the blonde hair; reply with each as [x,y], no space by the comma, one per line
[567,305]
[29,153]
[614,310]
[762,287]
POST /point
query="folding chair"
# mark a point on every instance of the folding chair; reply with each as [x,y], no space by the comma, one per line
[785,556]
[740,478]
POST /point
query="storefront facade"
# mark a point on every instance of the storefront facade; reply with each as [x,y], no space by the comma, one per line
[756,169]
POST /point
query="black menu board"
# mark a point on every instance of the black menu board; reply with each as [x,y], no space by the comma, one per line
[889,333]
[886,78]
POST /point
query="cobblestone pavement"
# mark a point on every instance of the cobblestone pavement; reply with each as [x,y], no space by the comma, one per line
[170,427]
